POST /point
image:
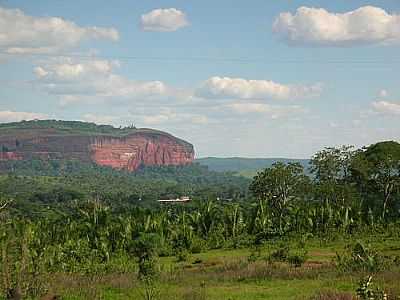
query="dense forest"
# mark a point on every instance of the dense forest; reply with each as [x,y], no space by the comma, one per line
[56,184]
[68,218]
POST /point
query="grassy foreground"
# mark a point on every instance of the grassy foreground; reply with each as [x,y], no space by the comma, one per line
[241,274]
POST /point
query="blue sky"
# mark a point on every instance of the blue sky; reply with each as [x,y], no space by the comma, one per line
[242,78]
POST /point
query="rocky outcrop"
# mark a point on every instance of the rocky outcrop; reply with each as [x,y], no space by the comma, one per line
[129,151]
[133,151]
[10,156]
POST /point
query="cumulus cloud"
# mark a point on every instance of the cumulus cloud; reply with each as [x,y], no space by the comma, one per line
[274,111]
[24,34]
[386,108]
[319,27]
[76,81]
[238,88]
[14,116]
[164,20]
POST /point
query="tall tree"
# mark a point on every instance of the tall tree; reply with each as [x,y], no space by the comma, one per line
[377,169]
[279,185]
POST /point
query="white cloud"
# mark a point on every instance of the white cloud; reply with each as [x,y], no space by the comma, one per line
[274,111]
[164,20]
[387,108]
[383,93]
[79,81]
[238,88]
[23,34]
[316,26]
[14,116]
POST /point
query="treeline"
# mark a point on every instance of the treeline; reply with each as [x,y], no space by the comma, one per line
[67,127]
[347,188]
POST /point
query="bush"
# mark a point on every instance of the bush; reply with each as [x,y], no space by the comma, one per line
[252,257]
[145,249]
[366,292]
[297,260]
[280,254]
[198,245]
[182,255]
[215,240]
[360,258]
[284,254]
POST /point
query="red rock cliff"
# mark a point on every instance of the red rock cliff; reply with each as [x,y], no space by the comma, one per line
[140,147]
[133,151]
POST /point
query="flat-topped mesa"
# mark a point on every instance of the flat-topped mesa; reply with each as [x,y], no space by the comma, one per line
[132,151]
[126,148]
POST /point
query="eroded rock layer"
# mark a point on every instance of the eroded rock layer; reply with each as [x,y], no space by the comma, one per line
[140,147]
[135,150]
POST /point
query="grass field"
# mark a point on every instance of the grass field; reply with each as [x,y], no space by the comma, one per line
[231,275]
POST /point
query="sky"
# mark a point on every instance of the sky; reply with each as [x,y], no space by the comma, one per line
[235,78]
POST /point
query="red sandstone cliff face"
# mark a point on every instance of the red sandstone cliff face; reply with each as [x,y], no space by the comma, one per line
[10,156]
[146,148]
[133,151]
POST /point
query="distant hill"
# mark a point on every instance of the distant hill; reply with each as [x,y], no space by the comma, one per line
[245,166]
[121,148]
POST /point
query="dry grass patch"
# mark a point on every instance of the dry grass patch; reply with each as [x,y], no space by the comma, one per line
[331,295]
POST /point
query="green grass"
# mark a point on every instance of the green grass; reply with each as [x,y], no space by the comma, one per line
[227,274]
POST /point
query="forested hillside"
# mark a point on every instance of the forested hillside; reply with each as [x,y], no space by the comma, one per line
[126,148]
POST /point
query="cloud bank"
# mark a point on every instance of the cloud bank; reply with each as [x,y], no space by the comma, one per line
[386,108]
[318,27]
[77,81]
[239,88]
[23,34]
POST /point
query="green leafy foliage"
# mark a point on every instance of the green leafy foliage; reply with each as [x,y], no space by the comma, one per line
[360,258]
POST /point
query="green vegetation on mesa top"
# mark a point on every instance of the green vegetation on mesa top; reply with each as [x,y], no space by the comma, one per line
[76,128]
[241,164]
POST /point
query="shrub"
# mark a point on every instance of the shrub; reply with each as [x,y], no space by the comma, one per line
[284,254]
[198,245]
[280,254]
[182,255]
[366,292]
[298,259]
[360,258]
[215,240]
[252,257]
[145,249]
